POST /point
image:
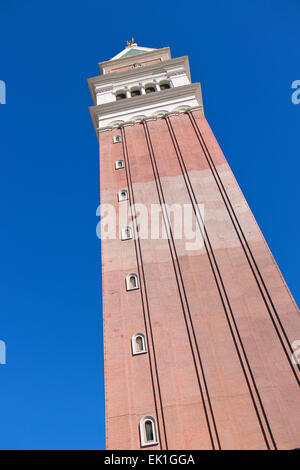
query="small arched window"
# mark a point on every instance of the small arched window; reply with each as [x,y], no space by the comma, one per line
[165,86]
[150,89]
[123,195]
[126,233]
[135,92]
[132,281]
[148,432]
[138,342]
[119,164]
[117,139]
[120,96]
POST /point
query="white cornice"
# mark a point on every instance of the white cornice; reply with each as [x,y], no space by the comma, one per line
[148,118]
[130,59]
[168,66]
[114,113]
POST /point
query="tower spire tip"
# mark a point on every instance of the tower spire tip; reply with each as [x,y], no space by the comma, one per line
[131,42]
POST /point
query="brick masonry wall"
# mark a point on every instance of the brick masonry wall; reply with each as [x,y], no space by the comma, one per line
[219,320]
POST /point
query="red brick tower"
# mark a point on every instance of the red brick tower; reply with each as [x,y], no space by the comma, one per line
[198,343]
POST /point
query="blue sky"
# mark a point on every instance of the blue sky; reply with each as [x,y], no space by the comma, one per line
[246,56]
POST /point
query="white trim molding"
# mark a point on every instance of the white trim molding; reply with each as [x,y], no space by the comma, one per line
[145,440]
[122,195]
[104,87]
[126,233]
[127,110]
[135,350]
[130,60]
[119,164]
[129,285]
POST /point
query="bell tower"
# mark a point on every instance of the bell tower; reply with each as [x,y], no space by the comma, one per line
[199,344]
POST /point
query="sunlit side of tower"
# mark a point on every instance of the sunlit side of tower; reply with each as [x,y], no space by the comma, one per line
[198,344]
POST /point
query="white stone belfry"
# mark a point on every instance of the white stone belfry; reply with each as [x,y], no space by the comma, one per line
[140,83]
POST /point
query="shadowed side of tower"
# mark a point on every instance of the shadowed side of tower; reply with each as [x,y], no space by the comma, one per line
[197,340]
